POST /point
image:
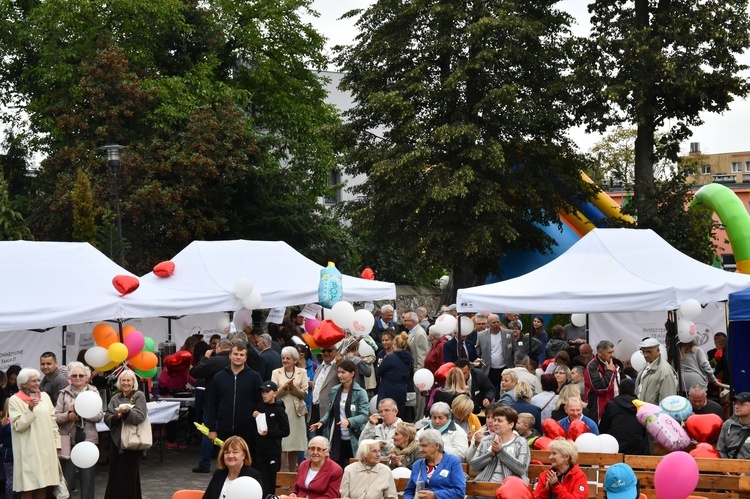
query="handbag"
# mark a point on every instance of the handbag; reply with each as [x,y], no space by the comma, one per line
[136,436]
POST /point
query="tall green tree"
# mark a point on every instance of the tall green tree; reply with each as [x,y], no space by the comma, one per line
[84,219]
[658,64]
[12,225]
[214,100]
[459,123]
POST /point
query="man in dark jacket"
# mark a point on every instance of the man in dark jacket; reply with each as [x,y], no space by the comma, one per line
[481,389]
[619,420]
[235,392]
[600,380]
[207,367]
[269,442]
[556,343]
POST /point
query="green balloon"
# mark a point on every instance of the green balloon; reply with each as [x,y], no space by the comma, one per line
[148,344]
[145,374]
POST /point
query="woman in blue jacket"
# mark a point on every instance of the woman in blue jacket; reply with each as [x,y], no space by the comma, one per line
[437,475]
[346,416]
[394,373]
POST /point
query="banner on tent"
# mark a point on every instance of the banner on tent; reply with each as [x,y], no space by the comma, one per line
[632,327]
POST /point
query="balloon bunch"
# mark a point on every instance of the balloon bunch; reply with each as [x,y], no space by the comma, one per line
[689,311]
[135,348]
[552,431]
[664,428]
[244,290]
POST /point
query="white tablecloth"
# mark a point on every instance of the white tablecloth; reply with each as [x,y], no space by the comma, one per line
[160,412]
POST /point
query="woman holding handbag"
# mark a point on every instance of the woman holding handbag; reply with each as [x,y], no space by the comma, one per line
[126,408]
[74,429]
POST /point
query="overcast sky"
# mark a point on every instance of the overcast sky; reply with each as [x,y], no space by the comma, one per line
[720,133]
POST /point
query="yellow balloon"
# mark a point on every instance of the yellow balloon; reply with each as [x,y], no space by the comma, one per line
[108,367]
[117,352]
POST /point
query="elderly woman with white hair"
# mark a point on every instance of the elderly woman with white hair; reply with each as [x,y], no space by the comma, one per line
[438,474]
[126,407]
[455,441]
[36,440]
[293,384]
[76,429]
[368,478]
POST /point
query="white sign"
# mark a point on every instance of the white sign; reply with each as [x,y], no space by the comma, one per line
[311,311]
[276,315]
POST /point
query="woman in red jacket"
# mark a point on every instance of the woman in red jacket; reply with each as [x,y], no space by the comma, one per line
[564,479]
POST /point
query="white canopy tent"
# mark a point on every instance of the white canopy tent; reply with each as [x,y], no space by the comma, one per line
[282,276]
[608,270]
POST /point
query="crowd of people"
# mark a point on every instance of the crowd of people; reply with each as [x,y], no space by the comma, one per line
[279,407]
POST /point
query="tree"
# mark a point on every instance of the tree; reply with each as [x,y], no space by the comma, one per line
[12,225]
[84,221]
[214,101]
[615,155]
[459,123]
[660,63]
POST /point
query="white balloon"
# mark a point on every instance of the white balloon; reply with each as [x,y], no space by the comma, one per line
[424,379]
[588,442]
[243,287]
[686,331]
[401,472]
[374,404]
[85,454]
[624,349]
[445,324]
[365,349]
[244,487]
[467,325]
[253,301]
[690,309]
[539,372]
[638,361]
[608,444]
[578,320]
[663,351]
[342,314]
[362,323]
[97,356]
[88,404]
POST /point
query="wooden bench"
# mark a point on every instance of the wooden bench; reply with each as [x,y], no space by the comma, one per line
[285,483]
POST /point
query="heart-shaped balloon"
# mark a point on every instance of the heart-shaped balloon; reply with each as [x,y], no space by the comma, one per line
[704,427]
[576,429]
[442,373]
[542,443]
[164,269]
[705,450]
[125,284]
[328,334]
[552,429]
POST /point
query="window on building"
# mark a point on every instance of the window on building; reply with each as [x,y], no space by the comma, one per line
[705,169]
[334,178]
[747,166]
[736,166]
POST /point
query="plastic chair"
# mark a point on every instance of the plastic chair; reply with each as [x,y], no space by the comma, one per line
[188,494]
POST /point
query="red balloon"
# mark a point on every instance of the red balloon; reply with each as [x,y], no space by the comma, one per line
[542,443]
[164,269]
[125,284]
[705,450]
[178,361]
[328,334]
[704,427]
[513,488]
[368,274]
[552,429]
[577,428]
[442,373]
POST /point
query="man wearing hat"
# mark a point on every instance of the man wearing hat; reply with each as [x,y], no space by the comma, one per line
[620,482]
[658,379]
[734,440]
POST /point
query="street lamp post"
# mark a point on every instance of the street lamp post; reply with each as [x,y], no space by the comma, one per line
[113,160]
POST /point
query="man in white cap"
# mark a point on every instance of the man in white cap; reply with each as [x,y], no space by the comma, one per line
[658,379]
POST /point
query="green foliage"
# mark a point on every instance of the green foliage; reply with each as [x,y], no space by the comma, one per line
[226,128]
[471,106]
[659,63]
[12,225]
[84,220]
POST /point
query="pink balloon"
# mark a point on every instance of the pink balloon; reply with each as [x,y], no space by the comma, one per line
[676,476]
[134,342]
[311,325]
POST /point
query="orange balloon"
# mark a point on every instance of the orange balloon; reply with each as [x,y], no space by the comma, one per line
[144,361]
[105,335]
[126,330]
[310,341]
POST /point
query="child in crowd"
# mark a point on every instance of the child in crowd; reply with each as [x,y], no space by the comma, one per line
[268,460]
[525,428]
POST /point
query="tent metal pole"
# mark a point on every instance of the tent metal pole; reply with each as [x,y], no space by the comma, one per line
[64,345]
